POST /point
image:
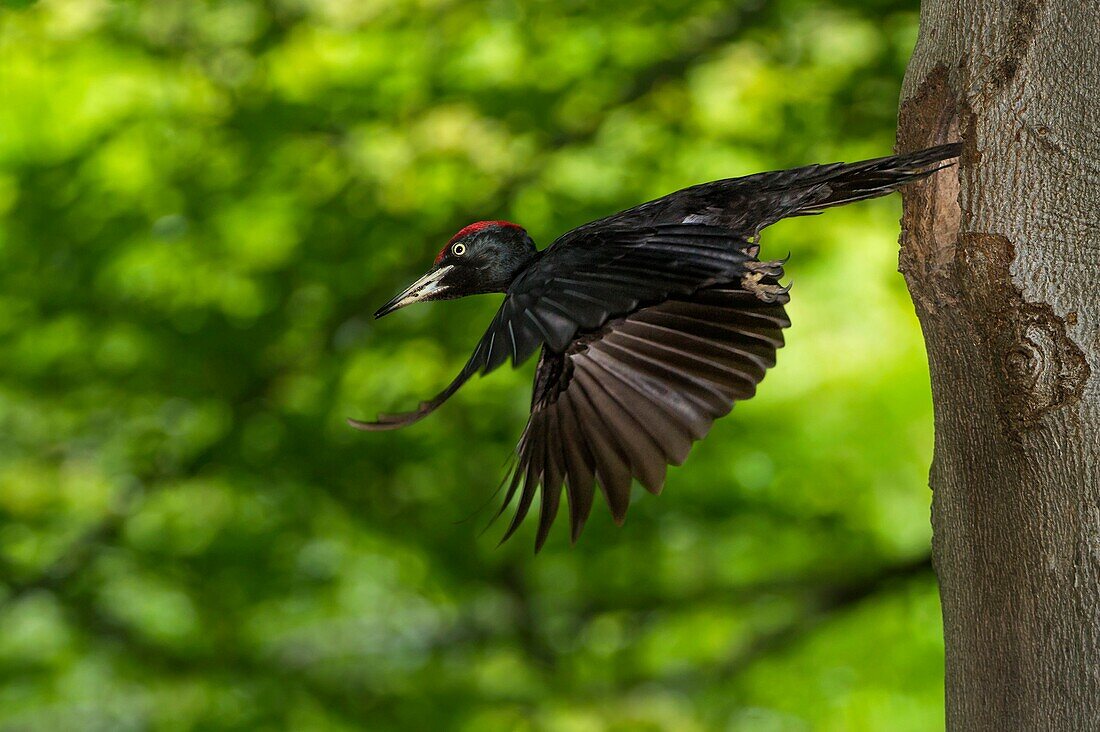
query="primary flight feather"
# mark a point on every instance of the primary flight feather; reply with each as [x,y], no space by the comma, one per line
[651,322]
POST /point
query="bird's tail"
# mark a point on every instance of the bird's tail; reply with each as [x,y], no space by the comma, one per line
[840,183]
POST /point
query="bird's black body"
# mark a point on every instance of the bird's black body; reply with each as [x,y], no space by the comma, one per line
[652,322]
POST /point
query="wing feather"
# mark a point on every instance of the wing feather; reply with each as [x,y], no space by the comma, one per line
[624,402]
[580,466]
[553,475]
[612,472]
[643,455]
[662,422]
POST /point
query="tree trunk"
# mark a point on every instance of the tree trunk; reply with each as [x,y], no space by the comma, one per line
[1002,258]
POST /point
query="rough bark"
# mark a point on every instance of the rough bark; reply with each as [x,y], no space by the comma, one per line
[1002,258]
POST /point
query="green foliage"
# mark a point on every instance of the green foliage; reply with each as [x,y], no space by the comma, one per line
[200,205]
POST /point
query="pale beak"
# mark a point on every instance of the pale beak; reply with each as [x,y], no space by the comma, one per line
[426,288]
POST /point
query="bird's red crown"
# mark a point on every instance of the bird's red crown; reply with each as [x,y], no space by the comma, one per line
[472,229]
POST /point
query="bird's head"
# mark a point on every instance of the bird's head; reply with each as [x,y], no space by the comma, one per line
[483,257]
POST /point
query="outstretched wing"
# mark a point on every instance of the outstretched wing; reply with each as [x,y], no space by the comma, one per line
[746,205]
[581,283]
[626,401]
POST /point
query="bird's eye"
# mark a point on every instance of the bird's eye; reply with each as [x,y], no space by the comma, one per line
[458,249]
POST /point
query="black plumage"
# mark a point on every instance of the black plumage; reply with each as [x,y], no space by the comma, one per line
[651,322]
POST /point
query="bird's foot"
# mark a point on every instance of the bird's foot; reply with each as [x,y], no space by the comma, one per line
[772,268]
[760,280]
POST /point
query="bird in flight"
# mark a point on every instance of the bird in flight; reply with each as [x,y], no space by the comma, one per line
[651,322]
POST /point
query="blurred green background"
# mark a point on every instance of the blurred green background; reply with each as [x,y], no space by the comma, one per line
[200,206]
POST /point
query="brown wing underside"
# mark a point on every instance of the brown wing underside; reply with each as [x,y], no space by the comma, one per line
[623,403]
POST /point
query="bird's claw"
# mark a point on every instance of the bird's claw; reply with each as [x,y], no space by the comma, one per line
[767,290]
[772,268]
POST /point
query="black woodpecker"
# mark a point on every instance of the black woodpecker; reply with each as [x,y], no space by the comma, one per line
[651,323]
